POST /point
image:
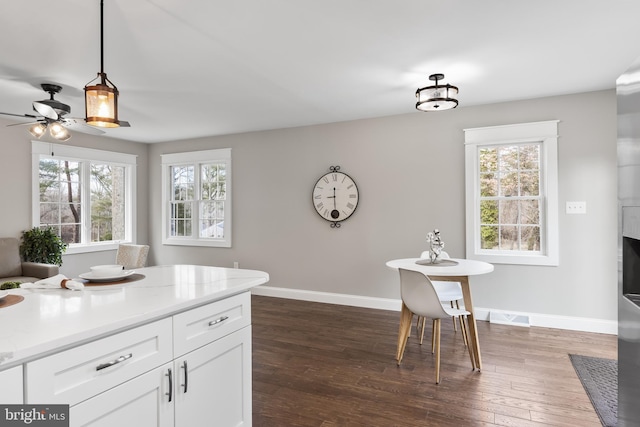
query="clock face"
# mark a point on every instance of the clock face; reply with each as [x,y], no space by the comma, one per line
[335,196]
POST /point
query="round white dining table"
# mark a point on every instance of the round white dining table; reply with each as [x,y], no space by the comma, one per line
[451,270]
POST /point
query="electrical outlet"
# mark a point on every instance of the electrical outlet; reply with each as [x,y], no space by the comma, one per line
[576,207]
[236,264]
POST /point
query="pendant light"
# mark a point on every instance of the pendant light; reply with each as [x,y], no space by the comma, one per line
[437,97]
[101,99]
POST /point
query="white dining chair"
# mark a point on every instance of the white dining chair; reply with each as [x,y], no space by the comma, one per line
[420,297]
[449,293]
[132,256]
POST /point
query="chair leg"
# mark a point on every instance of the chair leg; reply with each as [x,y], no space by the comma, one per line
[433,336]
[473,359]
[421,329]
[465,334]
[406,318]
[437,333]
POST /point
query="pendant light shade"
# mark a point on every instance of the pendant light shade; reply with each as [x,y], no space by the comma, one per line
[101,103]
[437,97]
[101,99]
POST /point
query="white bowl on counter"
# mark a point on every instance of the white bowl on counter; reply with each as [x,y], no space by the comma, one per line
[107,270]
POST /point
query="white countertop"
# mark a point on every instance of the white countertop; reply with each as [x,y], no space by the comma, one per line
[50,320]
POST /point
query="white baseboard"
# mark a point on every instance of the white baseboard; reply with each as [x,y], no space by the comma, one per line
[329,298]
[536,319]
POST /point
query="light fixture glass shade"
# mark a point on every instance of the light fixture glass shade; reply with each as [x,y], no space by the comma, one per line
[59,132]
[437,97]
[37,129]
[101,105]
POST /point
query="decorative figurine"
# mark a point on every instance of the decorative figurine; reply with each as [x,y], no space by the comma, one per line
[435,245]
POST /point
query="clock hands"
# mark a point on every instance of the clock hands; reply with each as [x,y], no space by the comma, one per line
[334,213]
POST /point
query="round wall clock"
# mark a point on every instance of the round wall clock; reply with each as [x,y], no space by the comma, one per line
[335,196]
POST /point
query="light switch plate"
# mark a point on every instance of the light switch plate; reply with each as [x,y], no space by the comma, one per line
[576,207]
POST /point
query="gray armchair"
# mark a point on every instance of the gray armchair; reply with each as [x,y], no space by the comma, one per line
[12,269]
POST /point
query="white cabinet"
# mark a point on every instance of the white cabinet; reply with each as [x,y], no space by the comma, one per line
[142,401]
[11,391]
[187,370]
[214,383]
[212,346]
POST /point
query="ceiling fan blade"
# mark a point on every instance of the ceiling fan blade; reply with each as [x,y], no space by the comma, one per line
[31,116]
[24,124]
[80,126]
[45,110]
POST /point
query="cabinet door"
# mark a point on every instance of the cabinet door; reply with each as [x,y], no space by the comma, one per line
[11,386]
[216,390]
[142,401]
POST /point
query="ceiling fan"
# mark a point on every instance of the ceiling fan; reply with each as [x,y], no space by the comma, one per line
[51,116]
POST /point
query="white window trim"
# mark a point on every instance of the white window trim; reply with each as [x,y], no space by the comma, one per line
[189,158]
[544,132]
[68,152]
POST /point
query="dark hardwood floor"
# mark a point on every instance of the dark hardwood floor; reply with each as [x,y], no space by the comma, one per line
[330,365]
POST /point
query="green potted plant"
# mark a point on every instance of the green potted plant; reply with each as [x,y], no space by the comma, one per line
[42,245]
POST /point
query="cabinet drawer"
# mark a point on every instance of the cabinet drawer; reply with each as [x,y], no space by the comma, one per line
[200,326]
[82,372]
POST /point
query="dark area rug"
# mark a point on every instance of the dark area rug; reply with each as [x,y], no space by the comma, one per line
[599,378]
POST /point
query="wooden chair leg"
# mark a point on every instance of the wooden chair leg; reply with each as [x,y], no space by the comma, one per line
[465,333]
[406,318]
[473,359]
[421,330]
[433,336]
[437,333]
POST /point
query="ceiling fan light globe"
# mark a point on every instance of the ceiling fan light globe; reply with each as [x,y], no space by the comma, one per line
[59,132]
[37,129]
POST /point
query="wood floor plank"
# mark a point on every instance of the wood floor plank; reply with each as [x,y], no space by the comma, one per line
[328,365]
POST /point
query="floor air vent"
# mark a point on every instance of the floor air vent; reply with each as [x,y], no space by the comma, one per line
[506,318]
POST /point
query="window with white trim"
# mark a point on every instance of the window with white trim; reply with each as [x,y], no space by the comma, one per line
[87,196]
[512,193]
[196,198]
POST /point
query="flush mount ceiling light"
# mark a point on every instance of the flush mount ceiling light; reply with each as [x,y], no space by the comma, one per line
[101,99]
[437,97]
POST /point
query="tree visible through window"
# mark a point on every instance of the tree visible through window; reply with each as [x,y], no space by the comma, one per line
[197,198]
[61,200]
[85,200]
[512,193]
[510,199]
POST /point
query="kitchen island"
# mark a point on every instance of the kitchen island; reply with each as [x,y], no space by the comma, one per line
[171,342]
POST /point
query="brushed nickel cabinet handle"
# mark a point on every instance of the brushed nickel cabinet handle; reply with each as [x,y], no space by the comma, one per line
[114,362]
[186,376]
[170,393]
[220,320]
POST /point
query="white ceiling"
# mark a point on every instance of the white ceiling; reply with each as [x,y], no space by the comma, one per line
[192,68]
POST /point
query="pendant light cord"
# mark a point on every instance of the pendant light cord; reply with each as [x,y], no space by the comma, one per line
[101,38]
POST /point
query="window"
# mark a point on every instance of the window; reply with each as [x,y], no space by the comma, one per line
[512,193]
[86,195]
[196,198]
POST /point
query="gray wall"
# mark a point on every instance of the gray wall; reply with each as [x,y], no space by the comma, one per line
[410,172]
